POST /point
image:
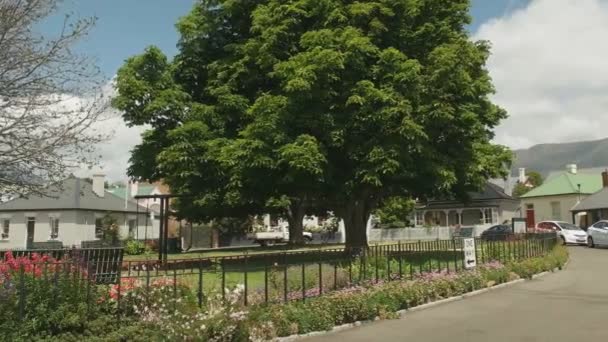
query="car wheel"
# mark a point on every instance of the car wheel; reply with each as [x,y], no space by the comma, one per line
[590,243]
[307,239]
[563,241]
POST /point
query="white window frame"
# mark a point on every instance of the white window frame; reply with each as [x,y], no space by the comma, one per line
[488,219]
[419,218]
[54,224]
[557,217]
[100,236]
[6,223]
[131,234]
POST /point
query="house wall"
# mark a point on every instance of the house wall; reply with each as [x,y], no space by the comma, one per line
[543,209]
[75,226]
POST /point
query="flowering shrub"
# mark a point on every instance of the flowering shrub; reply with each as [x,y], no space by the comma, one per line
[35,265]
[42,297]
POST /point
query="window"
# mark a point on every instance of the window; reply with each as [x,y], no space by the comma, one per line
[98,228]
[530,206]
[487,216]
[556,211]
[132,228]
[419,218]
[5,227]
[54,221]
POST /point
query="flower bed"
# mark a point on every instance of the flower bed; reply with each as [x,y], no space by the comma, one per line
[164,309]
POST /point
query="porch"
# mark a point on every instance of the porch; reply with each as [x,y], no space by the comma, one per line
[450,217]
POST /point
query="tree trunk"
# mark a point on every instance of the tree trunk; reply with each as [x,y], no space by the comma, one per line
[295,217]
[355,217]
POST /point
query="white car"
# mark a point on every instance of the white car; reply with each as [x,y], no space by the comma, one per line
[569,233]
[598,234]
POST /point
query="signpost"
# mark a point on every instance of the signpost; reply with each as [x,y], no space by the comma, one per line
[470,261]
[519,225]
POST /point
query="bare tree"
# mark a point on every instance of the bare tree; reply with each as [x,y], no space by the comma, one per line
[50,98]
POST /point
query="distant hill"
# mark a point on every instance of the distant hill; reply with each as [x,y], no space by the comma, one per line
[550,157]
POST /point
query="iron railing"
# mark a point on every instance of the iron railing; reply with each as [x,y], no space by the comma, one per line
[274,277]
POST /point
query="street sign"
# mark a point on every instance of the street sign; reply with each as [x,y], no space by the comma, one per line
[469,253]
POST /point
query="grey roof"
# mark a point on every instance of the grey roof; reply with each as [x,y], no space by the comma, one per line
[490,193]
[598,200]
[72,193]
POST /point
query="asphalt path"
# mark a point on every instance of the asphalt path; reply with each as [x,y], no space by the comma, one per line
[567,306]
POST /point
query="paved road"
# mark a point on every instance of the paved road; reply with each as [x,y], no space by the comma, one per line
[568,306]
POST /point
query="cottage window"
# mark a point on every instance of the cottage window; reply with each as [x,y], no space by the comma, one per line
[419,218]
[556,212]
[132,228]
[487,216]
[54,222]
[98,228]
[5,228]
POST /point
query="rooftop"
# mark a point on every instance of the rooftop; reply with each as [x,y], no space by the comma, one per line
[567,183]
[72,193]
[598,200]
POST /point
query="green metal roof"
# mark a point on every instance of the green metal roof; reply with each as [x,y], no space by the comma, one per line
[141,190]
[567,183]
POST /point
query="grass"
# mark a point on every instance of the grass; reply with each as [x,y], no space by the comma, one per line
[249,250]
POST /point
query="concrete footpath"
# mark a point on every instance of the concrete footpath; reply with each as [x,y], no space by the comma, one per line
[567,306]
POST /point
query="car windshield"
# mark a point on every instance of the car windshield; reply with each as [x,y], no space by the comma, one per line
[568,226]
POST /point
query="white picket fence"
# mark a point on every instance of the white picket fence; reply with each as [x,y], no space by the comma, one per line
[415,234]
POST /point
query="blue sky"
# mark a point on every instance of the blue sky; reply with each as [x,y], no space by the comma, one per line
[126,27]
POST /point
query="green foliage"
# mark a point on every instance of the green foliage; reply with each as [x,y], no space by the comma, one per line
[136,247]
[315,103]
[395,212]
[534,180]
[111,230]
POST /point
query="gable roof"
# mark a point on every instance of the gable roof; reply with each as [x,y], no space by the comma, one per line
[587,170]
[567,183]
[142,190]
[490,192]
[598,200]
[72,193]
[507,184]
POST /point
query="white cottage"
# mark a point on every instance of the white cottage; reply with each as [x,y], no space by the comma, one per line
[486,208]
[70,213]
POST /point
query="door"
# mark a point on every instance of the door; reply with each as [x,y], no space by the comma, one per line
[530,221]
[31,223]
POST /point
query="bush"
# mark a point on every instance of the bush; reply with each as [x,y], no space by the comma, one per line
[136,247]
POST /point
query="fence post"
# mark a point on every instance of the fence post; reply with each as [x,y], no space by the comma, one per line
[455,255]
[304,282]
[400,260]
[245,279]
[223,279]
[266,279]
[22,295]
[320,272]
[285,277]
[376,261]
[200,283]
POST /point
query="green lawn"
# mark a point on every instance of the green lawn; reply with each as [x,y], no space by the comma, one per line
[211,253]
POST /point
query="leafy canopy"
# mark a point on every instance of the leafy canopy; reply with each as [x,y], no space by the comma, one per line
[323,103]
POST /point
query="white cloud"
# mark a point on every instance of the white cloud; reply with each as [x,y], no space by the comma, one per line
[114,154]
[549,66]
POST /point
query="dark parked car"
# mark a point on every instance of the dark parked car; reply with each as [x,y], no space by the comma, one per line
[498,233]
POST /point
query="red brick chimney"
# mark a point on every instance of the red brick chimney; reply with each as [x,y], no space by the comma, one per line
[605,178]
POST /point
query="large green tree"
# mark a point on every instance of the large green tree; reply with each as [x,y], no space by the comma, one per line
[304,105]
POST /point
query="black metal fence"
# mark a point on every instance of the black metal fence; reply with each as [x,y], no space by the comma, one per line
[276,277]
[267,277]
